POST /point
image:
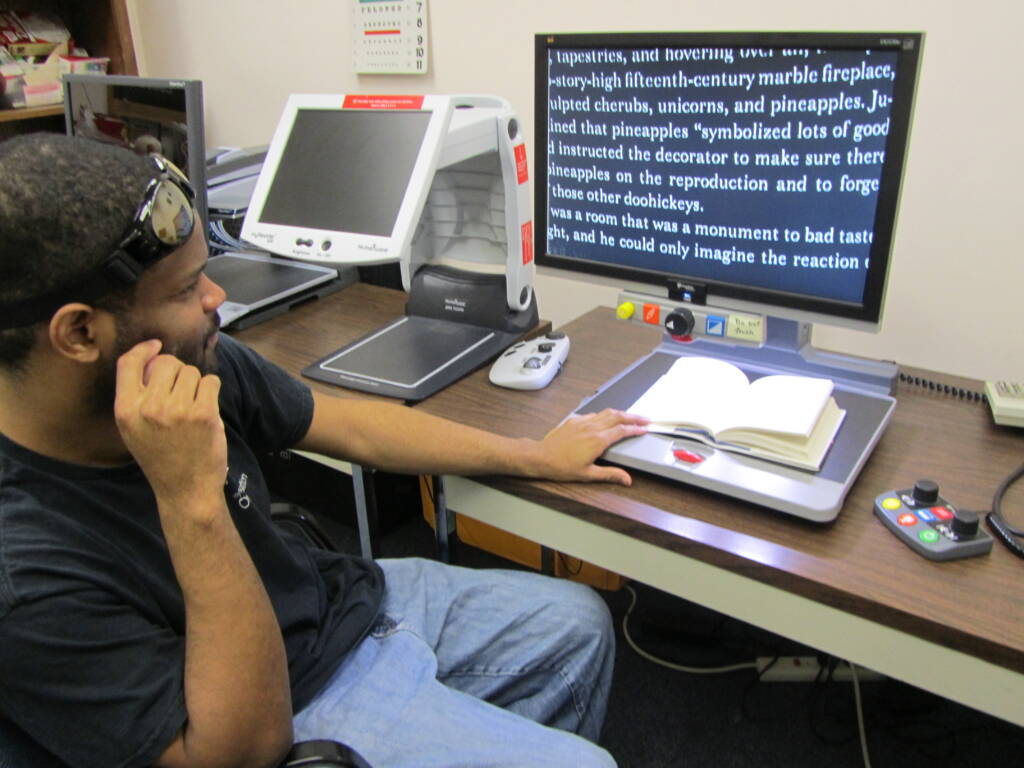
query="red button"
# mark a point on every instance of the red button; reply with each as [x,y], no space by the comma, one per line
[907,519]
[652,313]
[689,458]
[942,513]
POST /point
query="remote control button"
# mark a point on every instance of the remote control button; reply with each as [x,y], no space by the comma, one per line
[926,491]
[926,515]
[907,519]
[891,503]
[942,513]
[545,347]
[532,363]
[965,523]
[928,536]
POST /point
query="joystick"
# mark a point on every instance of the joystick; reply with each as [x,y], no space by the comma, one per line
[930,525]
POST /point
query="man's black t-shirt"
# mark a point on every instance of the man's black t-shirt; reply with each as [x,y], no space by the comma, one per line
[92,623]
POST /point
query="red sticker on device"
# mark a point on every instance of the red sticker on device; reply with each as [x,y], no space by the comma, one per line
[384,101]
[526,234]
[521,168]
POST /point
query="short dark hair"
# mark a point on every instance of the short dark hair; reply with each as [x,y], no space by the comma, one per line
[65,203]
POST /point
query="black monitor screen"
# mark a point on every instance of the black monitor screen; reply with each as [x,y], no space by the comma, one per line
[146,115]
[346,170]
[762,167]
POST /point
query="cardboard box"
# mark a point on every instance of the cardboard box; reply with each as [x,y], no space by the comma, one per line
[41,82]
[39,85]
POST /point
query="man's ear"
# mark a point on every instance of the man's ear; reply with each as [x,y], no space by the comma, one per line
[80,332]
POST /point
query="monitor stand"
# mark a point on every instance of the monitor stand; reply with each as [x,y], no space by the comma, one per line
[455,321]
[862,389]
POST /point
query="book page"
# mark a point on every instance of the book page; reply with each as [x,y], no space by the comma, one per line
[788,404]
[696,391]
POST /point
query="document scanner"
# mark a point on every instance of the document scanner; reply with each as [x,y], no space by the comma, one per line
[439,184]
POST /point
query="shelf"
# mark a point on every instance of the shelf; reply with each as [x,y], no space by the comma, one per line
[101,27]
[29,113]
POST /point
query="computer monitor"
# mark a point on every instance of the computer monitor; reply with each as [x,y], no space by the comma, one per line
[346,177]
[755,171]
[146,114]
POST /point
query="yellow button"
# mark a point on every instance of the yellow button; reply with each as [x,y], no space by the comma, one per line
[891,503]
[625,310]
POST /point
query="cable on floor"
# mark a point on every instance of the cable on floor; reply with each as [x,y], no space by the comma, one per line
[860,715]
[670,664]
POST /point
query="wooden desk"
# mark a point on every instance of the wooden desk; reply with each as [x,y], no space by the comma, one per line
[849,588]
[314,330]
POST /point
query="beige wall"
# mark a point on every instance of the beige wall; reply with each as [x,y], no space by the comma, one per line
[954,296]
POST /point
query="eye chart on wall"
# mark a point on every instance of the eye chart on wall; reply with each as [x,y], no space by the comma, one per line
[389,37]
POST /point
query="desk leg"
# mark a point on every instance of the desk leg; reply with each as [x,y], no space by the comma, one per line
[441,529]
[366,509]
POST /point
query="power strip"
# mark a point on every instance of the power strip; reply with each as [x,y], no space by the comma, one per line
[806,669]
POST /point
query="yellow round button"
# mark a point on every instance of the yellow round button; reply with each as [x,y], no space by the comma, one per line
[625,310]
[891,503]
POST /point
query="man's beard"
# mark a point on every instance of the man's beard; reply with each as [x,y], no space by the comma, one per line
[194,353]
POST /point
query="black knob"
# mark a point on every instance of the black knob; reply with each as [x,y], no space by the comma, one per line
[964,523]
[926,492]
[679,322]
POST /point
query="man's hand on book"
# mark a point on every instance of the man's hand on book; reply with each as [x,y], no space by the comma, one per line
[571,448]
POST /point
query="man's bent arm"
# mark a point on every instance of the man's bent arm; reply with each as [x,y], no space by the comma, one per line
[237,692]
[399,439]
[236,686]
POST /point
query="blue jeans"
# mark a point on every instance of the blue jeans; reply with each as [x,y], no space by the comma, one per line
[473,668]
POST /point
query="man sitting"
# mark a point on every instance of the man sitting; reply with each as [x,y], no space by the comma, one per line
[150,613]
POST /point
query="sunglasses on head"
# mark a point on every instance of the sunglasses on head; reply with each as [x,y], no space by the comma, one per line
[163,222]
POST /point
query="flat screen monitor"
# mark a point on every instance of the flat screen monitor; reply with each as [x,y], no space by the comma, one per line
[762,169]
[346,177]
[146,114]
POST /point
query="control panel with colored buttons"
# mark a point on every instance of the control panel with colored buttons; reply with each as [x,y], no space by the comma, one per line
[930,525]
[686,322]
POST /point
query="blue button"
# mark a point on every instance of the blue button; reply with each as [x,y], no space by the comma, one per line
[927,516]
[715,326]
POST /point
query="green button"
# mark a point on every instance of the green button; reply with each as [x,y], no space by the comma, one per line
[928,536]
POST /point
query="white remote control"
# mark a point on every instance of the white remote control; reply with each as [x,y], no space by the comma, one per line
[531,364]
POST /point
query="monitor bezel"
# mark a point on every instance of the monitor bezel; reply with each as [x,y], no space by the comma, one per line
[349,248]
[867,314]
[194,122]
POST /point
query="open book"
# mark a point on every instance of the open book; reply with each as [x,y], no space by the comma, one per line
[789,419]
